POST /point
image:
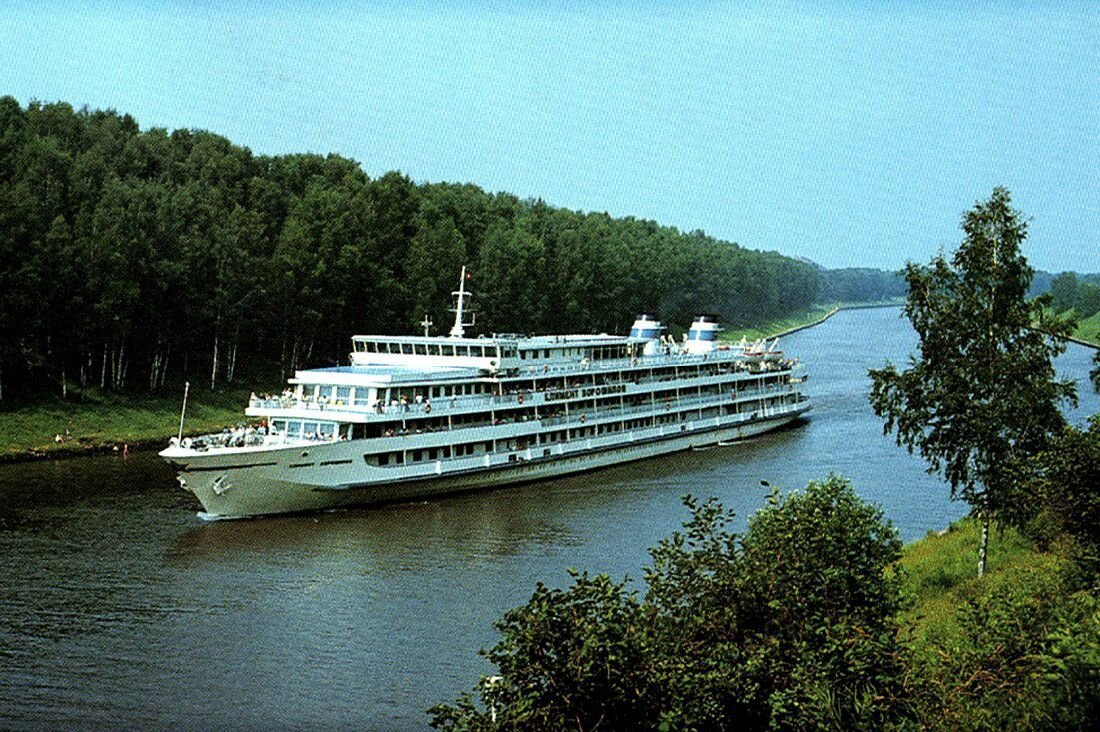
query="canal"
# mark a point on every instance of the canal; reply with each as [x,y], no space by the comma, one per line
[119,607]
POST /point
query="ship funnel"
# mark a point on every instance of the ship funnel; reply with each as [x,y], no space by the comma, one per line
[702,335]
[645,326]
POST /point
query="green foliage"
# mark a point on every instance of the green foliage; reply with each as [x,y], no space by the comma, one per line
[1063,291]
[1088,300]
[861,284]
[1061,495]
[1068,292]
[982,395]
[1094,375]
[1025,655]
[568,659]
[137,258]
[790,626]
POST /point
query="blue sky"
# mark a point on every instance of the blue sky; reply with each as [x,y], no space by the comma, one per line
[854,134]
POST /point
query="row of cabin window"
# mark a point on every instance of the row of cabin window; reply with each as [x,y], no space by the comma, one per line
[429,453]
[417,426]
[594,354]
[294,428]
[360,396]
[513,413]
[435,349]
[481,448]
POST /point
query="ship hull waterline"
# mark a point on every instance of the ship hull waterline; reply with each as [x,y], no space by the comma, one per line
[235,486]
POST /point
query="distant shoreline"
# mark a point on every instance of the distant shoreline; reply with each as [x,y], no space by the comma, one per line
[833,312]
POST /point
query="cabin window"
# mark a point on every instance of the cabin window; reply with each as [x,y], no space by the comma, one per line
[448,350]
[421,349]
[293,428]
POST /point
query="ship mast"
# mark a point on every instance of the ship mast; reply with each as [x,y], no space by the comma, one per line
[459,328]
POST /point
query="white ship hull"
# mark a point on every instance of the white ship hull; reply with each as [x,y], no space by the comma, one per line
[264,480]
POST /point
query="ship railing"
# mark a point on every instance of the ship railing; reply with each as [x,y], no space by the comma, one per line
[239,437]
[740,361]
[580,415]
[445,405]
[660,405]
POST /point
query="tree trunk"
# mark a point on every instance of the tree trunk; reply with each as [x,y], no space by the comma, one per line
[154,371]
[118,369]
[64,385]
[164,366]
[214,364]
[231,366]
[983,545]
[103,368]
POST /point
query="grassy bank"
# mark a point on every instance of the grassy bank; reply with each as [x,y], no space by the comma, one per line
[940,572]
[1089,329]
[95,421]
[774,327]
[809,316]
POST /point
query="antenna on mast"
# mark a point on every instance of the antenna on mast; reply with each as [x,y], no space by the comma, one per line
[426,323]
[460,294]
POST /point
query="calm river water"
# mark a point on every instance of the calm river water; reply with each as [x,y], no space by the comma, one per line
[118,607]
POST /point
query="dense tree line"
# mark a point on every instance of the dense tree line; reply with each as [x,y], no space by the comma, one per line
[133,259]
[1078,293]
[856,284]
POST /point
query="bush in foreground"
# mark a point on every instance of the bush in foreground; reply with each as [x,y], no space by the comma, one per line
[791,626]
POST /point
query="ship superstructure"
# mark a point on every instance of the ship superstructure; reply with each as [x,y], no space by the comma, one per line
[417,416]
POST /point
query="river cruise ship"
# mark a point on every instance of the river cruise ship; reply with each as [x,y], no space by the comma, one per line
[419,416]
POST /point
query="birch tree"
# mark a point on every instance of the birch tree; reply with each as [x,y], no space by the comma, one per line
[982,393]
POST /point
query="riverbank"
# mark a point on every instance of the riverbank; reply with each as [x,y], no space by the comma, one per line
[814,315]
[1087,332]
[96,422]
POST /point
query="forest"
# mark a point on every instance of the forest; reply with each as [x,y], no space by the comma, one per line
[133,259]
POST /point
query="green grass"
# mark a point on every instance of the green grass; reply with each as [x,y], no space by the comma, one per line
[771,328]
[97,419]
[940,572]
[1089,329]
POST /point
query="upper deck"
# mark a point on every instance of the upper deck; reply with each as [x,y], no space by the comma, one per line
[499,353]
